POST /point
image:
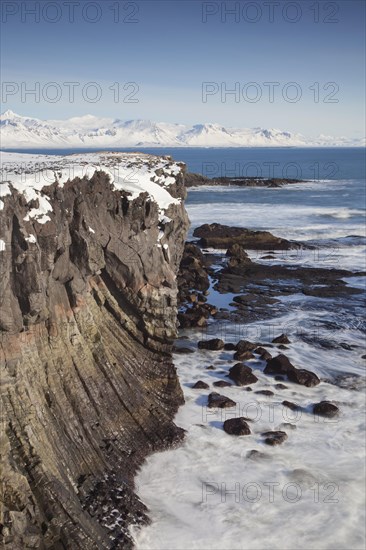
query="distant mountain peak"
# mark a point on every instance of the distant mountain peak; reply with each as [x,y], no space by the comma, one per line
[88,130]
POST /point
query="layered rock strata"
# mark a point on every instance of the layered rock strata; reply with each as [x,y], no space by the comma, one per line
[89,248]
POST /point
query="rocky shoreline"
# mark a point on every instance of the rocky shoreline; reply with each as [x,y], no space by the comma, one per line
[94,278]
[198,180]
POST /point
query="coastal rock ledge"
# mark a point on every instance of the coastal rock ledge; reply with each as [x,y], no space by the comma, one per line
[90,246]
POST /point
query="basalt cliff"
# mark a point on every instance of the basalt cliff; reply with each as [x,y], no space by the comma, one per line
[90,246]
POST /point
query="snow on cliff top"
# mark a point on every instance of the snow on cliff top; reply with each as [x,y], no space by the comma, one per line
[133,172]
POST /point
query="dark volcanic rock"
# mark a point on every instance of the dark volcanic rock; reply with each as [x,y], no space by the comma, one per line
[245,345]
[242,375]
[274,438]
[237,256]
[221,384]
[236,426]
[303,377]
[282,365]
[290,405]
[215,400]
[200,385]
[87,322]
[195,180]
[193,281]
[266,356]
[326,408]
[216,235]
[243,355]
[213,345]
[279,365]
[268,393]
[229,346]
[282,339]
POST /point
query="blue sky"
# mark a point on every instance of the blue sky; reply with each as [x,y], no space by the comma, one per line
[168,49]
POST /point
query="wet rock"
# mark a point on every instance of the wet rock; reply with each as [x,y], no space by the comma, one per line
[279,365]
[274,438]
[245,345]
[260,350]
[282,339]
[288,426]
[326,408]
[229,346]
[243,355]
[221,384]
[242,375]
[281,387]
[290,405]
[213,345]
[216,235]
[279,378]
[282,346]
[282,365]
[200,385]
[303,377]
[215,400]
[237,256]
[236,426]
[268,393]
[211,367]
[266,356]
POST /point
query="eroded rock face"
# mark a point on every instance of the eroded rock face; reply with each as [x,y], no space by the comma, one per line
[88,388]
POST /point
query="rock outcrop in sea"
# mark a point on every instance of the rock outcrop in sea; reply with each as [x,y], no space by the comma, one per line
[90,249]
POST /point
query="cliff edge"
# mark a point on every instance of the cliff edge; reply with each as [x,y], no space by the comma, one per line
[89,250]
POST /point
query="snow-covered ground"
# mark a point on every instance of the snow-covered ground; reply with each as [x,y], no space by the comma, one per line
[90,131]
[133,172]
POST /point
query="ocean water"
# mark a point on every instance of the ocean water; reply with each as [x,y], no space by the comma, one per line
[308,493]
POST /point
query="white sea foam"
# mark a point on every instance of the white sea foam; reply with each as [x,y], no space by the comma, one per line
[308,493]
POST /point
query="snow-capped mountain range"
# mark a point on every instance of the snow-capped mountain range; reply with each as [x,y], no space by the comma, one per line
[21,132]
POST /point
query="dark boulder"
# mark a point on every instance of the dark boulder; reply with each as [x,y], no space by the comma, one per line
[236,426]
[243,355]
[200,385]
[279,365]
[242,375]
[282,339]
[245,345]
[213,345]
[268,393]
[215,400]
[274,438]
[303,377]
[290,405]
[281,387]
[229,346]
[221,384]
[282,365]
[326,408]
